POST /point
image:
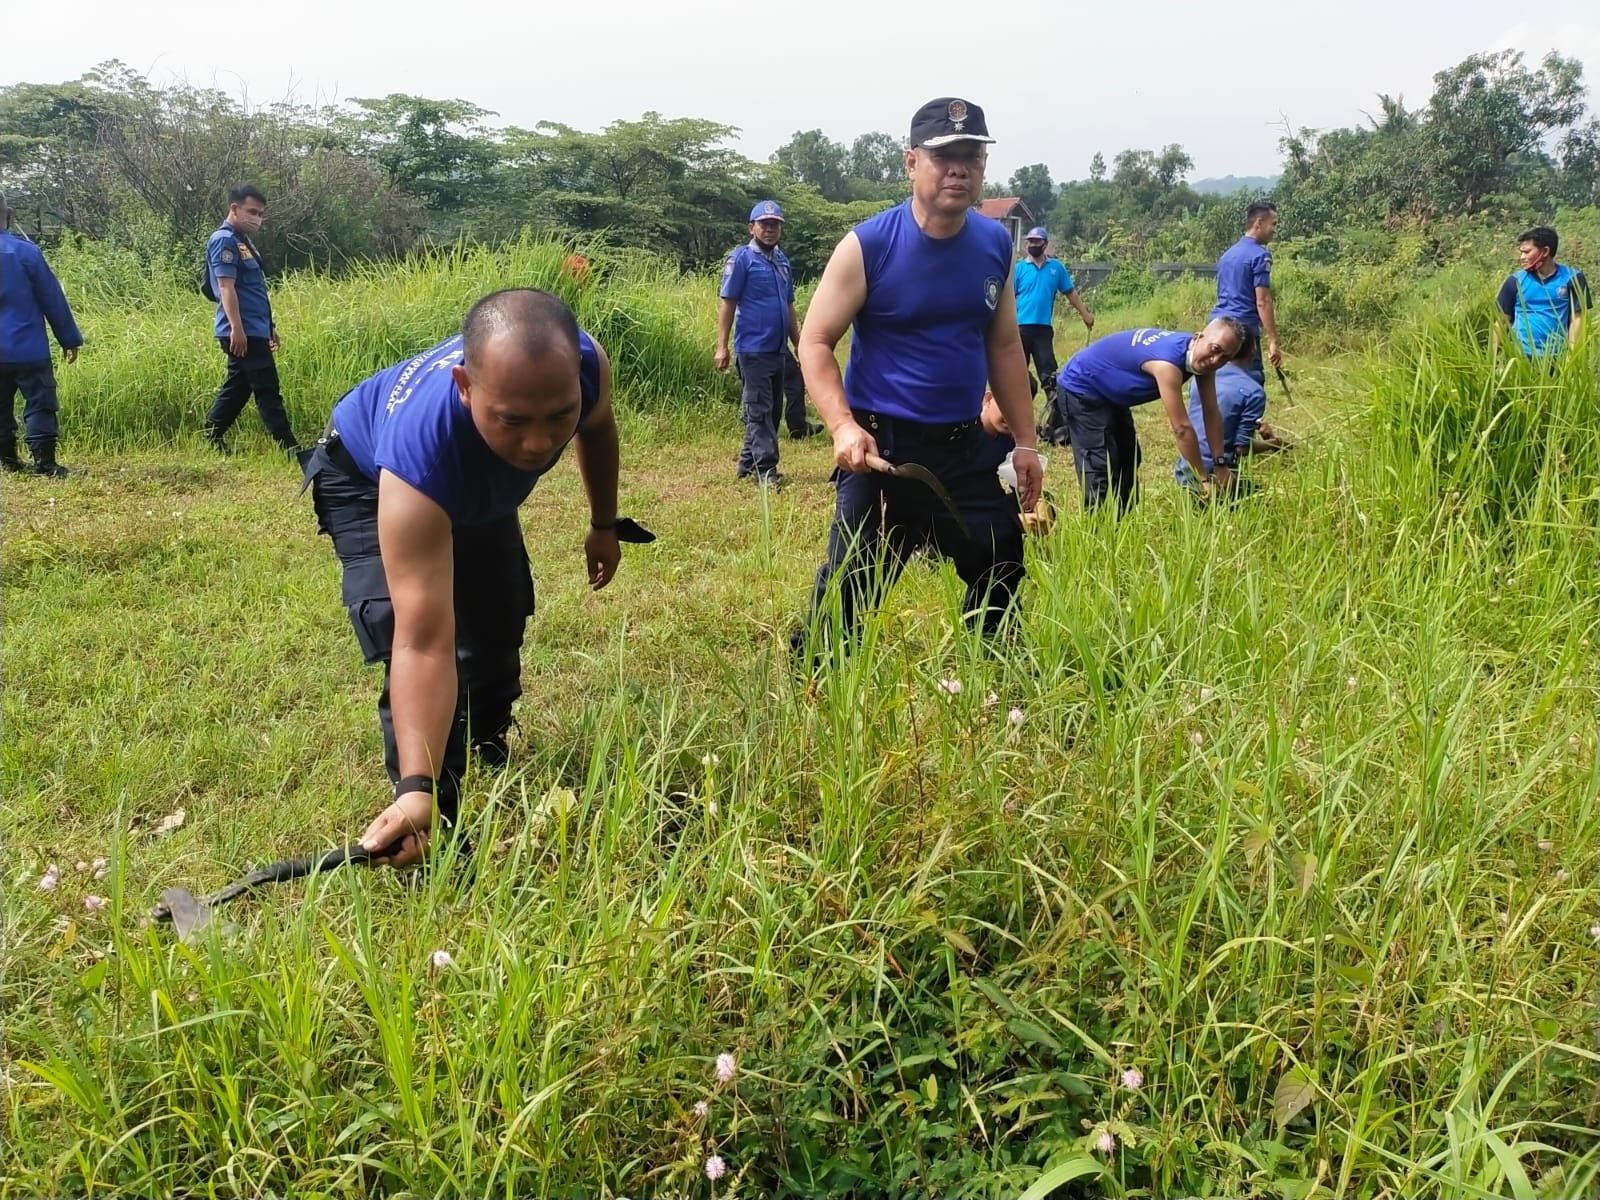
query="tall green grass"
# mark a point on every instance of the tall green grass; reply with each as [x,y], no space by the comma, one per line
[1487,430]
[151,366]
[1261,865]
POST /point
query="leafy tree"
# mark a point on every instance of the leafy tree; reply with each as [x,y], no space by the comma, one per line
[1033,185]
[811,157]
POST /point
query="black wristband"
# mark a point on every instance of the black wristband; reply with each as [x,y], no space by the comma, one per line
[1229,459]
[416,783]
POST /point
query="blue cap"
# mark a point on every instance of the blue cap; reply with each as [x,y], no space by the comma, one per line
[1038,232]
[767,210]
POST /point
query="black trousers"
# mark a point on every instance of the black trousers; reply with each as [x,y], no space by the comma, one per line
[37,383]
[1039,348]
[255,372]
[880,520]
[1105,449]
[494,598]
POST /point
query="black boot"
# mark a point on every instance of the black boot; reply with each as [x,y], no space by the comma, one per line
[9,459]
[44,460]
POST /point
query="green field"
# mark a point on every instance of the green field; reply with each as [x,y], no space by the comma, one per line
[1288,808]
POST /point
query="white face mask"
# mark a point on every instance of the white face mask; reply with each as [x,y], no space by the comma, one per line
[1188,359]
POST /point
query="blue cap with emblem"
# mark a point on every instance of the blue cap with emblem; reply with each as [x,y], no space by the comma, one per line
[1037,233]
[767,210]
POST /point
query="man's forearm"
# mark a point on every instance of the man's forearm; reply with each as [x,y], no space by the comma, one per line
[724,322]
[599,463]
[1083,309]
[1266,310]
[230,309]
[1008,375]
[823,380]
[422,698]
[1189,447]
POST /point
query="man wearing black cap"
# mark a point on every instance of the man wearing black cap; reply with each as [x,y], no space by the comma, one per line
[923,288]
[758,283]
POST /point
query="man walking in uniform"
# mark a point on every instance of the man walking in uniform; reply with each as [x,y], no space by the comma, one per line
[1544,302]
[417,482]
[1037,279]
[1102,383]
[922,286]
[31,296]
[758,283]
[244,326]
[1244,286]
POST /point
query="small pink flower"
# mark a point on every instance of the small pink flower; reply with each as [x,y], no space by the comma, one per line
[1546,846]
[1132,1080]
[1105,1143]
[727,1066]
[80,866]
[1562,875]
[1198,738]
[701,1108]
[715,1168]
[51,876]
[94,903]
[991,700]
[441,959]
[99,866]
[1206,694]
[1015,716]
[950,686]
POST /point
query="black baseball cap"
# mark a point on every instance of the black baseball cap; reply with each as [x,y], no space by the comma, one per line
[948,119]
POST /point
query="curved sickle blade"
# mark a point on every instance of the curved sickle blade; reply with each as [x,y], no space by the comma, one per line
[928,480]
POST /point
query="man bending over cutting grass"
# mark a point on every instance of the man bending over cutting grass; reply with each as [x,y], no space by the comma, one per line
[1106,380]
[417,481]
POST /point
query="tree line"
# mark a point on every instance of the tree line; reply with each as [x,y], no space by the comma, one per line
[113,156]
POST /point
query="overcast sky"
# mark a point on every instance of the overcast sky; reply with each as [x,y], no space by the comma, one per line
[1058,82]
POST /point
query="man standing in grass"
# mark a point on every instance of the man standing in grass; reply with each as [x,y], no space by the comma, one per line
[1102,384]
[1244,286]
[1545,301]
[417,482]
[1037,279]
[758,283]
[922,286]
[244,326]
[31,296]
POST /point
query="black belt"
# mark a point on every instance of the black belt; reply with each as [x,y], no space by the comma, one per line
[923,431]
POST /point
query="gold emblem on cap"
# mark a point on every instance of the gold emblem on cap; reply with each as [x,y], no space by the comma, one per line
[958,112]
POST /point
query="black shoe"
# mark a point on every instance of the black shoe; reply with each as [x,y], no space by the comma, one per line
[809,429]
[771,479]
[51,470]
[10,462]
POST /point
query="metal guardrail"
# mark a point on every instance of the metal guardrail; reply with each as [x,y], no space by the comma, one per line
[1091,274]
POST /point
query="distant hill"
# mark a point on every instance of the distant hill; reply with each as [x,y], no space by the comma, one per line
[1235,183]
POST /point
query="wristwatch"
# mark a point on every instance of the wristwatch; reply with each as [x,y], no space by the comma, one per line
[1227,459]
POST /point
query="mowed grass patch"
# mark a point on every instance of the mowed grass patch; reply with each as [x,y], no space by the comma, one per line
[1288,808]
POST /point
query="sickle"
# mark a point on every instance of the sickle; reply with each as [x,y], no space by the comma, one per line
[925,477]
[189,912]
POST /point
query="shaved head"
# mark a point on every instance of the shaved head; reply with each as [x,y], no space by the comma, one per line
[536,323]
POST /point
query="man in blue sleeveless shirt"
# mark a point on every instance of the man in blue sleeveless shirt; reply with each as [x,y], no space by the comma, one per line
[1102,383]
[417,482]
[1244,286]
[923,287]
[1545,301]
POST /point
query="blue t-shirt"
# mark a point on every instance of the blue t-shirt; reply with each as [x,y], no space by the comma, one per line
[1541,309]
[1110,370]
[228,256]
[918,348]
[763,289]
[1036,287]
[1243,267]
[30,295]
[409,420]
[1242,402]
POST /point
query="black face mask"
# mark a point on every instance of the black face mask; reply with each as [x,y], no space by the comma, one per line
[1035,252]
